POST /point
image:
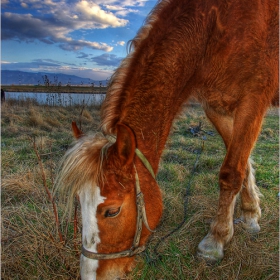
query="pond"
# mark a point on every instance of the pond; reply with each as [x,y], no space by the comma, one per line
[58,99]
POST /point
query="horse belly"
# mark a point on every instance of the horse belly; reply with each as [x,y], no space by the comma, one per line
[224,85]
[220,101]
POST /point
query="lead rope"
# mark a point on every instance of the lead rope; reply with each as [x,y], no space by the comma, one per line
[152,260]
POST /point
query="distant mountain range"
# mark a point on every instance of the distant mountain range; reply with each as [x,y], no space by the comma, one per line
[9,77]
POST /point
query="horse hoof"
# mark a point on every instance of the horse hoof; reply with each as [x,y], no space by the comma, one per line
[249,224]
[210,250]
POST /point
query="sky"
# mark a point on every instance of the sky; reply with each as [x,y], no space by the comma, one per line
[86,38]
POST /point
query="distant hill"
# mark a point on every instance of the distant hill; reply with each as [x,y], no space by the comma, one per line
[9,77]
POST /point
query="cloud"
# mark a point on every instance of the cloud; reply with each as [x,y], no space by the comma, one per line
[38,64]
[82,55]
[4,2]
[28,28]
[74,45]
[24,5]
[122,3]
[114,8]
[55,22]
[126,12]
[120,10]
[91,11]
[121,43]
[107,59]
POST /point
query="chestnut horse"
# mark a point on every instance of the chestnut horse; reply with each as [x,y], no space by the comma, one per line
[222,52]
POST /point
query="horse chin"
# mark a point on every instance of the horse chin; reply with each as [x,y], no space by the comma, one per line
[114,269]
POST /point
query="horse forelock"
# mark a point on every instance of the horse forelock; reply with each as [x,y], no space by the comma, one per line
[116,94]
[80,166]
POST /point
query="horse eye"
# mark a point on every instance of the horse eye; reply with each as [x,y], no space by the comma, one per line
[113,212]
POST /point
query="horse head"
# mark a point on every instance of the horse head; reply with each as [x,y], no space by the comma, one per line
[120,200]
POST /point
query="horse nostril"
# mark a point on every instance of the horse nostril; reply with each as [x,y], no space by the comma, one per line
[92,240]
[85,242]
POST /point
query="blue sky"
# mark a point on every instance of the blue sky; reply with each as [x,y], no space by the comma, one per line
[84,38]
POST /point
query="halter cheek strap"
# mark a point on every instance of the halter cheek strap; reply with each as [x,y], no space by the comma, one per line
[145,162]
[141,218]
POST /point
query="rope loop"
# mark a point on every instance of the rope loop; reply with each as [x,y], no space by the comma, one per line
[156,256]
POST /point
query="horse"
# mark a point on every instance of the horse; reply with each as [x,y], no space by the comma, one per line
[224,54]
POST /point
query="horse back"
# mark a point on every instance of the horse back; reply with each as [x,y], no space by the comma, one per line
[241,56]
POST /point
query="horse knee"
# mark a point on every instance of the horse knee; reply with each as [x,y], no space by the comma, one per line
[231,179]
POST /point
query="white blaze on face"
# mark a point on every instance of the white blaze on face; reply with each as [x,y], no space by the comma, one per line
[90,198]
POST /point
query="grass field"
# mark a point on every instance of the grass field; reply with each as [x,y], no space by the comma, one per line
[31,248]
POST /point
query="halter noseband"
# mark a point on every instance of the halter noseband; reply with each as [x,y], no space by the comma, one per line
[141,218]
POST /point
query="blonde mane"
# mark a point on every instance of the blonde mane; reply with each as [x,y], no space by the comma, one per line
[115,95]
[82,164]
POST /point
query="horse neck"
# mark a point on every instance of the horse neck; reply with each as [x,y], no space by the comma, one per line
[151,117]
[157,80]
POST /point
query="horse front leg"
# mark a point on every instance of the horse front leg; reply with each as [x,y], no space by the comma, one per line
[235,172]
[250,202]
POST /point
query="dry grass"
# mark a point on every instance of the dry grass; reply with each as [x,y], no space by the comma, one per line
[35,118]
[87,115]
[31,248]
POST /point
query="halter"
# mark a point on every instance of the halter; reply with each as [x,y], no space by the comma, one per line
[141,218]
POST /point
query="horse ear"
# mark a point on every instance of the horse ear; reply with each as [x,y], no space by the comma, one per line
[125,144]
[76,131]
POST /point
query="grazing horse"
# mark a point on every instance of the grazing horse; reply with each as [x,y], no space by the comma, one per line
[222,52]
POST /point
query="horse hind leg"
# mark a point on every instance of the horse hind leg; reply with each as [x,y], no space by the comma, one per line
[250,202]
[221,231]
